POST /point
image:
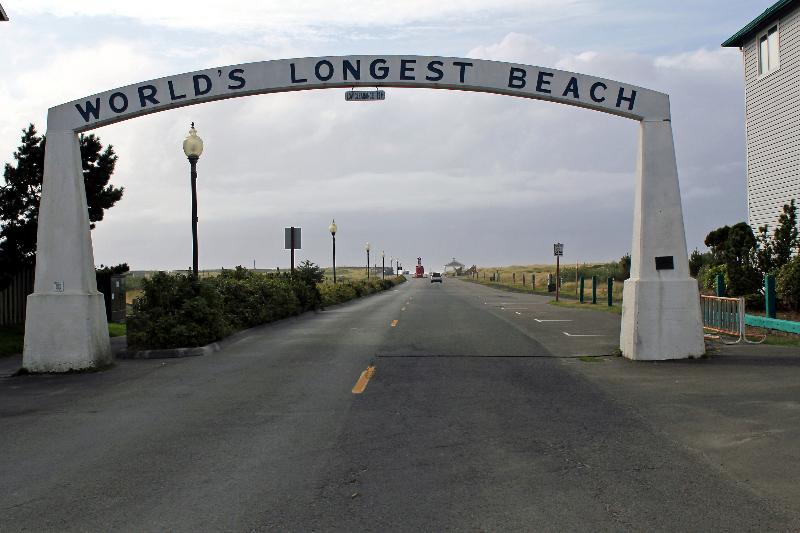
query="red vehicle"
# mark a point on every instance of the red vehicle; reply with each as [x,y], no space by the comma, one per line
[420,272]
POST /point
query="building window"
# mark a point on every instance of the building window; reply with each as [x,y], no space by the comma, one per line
[768,51]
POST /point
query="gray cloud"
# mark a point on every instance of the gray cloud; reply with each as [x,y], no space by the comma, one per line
[488,179]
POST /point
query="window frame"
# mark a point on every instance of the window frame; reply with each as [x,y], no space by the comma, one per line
[765,35]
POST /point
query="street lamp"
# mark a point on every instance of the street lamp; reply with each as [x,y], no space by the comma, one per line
[383,265]
[193,147]
[332,228]
[366,247]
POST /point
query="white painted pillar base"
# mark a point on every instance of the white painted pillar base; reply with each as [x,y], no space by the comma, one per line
[660,322]
[65,324]
[66,332]
[661,308]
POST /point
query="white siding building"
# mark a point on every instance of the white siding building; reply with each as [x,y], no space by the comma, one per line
[770,46]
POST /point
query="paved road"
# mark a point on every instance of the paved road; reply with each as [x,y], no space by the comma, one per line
[477,418]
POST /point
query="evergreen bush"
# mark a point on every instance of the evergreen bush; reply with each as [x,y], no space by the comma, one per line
[178,311]
[787,284]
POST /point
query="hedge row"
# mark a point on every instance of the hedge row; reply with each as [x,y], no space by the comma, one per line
[787,285]
[178,311]
[348,290]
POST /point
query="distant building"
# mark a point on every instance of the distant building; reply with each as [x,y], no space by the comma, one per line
[455,267]
[770,46]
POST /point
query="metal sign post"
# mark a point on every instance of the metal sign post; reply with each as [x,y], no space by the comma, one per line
[558,251]
[292,241]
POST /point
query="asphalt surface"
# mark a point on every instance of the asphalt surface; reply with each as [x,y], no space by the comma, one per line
[479,417]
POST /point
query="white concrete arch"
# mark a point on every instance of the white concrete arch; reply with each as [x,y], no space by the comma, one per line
[66,327]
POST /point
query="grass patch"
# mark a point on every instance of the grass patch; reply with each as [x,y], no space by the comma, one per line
[781,340]
[115,329]
[11,340]
[511,288]
[591,358]
[615,309]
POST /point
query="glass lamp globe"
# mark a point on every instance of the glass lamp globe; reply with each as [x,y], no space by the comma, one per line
[332,228]
[192,144]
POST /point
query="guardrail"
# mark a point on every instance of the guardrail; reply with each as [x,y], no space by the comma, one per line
[726,316]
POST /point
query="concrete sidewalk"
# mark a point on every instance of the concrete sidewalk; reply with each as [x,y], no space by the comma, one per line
[738,408]
[12,364]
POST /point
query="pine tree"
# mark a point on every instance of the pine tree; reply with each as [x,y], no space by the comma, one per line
[765,262]
[19,196]
[98,166]
[784,240]
[19,203]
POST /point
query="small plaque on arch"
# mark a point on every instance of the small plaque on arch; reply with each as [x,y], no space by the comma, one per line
[665,262]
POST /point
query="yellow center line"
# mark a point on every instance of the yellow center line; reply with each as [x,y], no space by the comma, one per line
[361,384]
[394,323]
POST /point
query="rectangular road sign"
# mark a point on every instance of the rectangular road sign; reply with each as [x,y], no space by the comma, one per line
[364,96]
[288,239]
[558,249]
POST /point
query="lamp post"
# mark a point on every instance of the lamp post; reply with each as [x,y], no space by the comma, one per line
[366,247]
[193,147]
[332,228]
[383,264]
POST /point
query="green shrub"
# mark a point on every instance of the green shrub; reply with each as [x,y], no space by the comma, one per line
[176,311]
[250,298]
[349,290]
[787,284]
[754,301]
[707,276]
[338,293]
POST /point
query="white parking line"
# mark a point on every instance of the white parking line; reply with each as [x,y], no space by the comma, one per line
[551,320]
[571,335]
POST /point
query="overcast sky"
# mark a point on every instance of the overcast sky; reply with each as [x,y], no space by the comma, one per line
[488,179]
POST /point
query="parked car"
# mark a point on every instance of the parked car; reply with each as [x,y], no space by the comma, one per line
[436,276]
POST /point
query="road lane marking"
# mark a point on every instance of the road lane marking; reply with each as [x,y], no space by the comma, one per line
[403,309]
[394,323]
[517,312]
[571,335]
[361,384]
[551,320]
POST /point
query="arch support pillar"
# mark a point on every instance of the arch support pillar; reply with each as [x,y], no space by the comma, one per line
[661,302]
[65,324]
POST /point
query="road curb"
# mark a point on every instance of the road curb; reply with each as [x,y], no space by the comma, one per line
[170,353]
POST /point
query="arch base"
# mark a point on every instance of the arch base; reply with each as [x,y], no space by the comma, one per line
[660,320]
[66,332]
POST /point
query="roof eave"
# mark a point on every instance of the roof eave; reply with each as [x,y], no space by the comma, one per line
[738,39]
